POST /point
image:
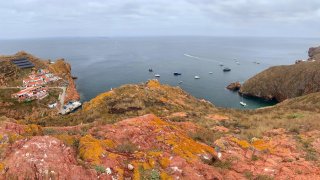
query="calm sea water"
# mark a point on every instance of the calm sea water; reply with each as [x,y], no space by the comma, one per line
[104,63]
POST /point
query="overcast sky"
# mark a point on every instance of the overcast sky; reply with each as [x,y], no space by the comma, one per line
[55,18]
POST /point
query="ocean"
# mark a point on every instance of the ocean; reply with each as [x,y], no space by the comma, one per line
[102,63]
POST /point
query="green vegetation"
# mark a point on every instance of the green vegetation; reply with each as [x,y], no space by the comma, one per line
[100,169]
[149,174]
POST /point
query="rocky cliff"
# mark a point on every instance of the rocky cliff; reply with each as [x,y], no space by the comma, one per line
[283,82]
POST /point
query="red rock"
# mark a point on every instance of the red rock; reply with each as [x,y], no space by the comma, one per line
[43,157]
[220,129]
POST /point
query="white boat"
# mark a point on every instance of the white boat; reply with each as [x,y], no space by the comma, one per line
[70,107]
[196,77]
[157,75]
[243,103]
[210,72]
[180,82]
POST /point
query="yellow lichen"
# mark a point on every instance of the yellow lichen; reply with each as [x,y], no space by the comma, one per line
[165,176]
[108,143]
[181,144]
[242,143]
[113,155]
[90,149]
[146,165]
[33,130]
[153,84]
[120,172]
[152,162]
[261,145]
[164,162]
[67,139]
[14,137]
[136,171]
[1,167]
[94,103]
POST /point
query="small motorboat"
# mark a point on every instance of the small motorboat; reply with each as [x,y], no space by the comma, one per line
[210,72]
[177,74]
[180,82]
[243,103]
[150,70]
[196,77]
[226,69]
[157,75]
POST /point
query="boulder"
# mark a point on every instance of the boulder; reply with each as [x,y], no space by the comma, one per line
[235,86]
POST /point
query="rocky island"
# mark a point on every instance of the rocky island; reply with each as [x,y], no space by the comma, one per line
[155,131]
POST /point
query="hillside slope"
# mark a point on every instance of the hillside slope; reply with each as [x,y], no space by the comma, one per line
[283,82]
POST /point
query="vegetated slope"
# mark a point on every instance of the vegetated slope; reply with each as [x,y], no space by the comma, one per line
[283,82]
[136,100]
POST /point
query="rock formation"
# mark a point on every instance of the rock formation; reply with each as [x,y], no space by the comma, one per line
[314,53]
[235,86]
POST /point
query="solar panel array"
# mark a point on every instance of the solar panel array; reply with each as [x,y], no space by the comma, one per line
[23,63]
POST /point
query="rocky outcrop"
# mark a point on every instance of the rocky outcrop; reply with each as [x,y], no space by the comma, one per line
[43,157]
[63,69]
[284,82]
[235,86]
[314,53]
[273,156]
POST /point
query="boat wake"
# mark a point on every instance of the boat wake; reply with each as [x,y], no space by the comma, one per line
[200,58]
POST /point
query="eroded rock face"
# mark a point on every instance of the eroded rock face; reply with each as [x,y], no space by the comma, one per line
[63,69]
[43,157]
[314,53]
[235,86]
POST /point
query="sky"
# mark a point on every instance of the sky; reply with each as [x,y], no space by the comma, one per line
[111,18]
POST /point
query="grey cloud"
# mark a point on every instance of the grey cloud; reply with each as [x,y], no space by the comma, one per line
[158,17]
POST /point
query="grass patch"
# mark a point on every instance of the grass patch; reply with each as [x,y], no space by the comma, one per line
[126,147]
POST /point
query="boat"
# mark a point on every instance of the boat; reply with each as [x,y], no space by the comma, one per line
[243,103]
[196,77]
[226,69]
[157,75]
[150,70]
[210,72]
[177,74]
[71,107]
[220,64]
[180,82]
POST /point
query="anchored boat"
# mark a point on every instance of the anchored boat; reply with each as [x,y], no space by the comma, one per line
[226,69]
